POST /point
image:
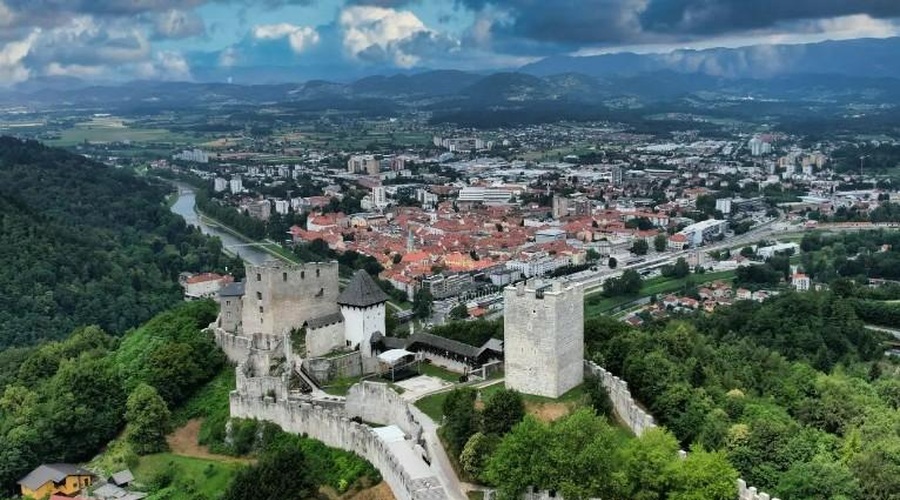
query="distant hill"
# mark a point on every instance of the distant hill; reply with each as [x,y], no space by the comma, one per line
[869,58]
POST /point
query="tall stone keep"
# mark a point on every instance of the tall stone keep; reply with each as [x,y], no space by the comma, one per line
[543,337]
[279,296]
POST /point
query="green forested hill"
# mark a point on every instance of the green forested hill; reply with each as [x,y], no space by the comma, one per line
[82,243]
[66,399]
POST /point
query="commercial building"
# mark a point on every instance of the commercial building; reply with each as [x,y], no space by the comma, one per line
[549,235]
[773,250]
[485,196]
[443,286]
[701,232]
[220,184]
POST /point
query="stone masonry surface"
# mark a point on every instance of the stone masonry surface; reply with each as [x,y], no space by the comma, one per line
[543,338]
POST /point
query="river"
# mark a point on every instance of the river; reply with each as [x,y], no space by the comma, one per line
[186,205]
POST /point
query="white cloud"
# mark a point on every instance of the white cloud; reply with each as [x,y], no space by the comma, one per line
[300,37]
[795,33]
[177,23]
[12,57]
[166,65]
[228,57]
[7,16]
[850,27]
[76,70]
[85,41]
[369,30]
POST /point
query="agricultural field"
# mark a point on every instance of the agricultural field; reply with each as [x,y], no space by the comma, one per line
[112,129]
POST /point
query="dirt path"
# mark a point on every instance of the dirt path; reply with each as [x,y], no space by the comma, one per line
[183,441]
[380,491]
[549,412]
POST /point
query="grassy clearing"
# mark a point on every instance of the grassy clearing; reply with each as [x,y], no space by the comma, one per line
[438,372]
[340,386]
[433,405]
[279,251]
[106,134]
[210,401]
[178,477]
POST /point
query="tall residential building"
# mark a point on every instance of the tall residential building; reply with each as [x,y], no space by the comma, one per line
[560,206]
[236,185]
[220,184]
[379,196]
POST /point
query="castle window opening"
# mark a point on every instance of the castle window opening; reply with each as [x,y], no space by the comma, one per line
[283,276]
[258,295]
[303,275]
[318,273]
[258,277]
[260,309]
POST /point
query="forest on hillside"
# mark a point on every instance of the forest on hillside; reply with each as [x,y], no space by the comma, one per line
[794,391]
[66,399]
[83,243]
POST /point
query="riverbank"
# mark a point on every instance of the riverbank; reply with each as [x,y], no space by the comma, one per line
[233,243]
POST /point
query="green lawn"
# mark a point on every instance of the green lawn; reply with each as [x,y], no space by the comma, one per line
[185,478]
[340,387]
[438,372]
[279,251]
[656,286]
[433,405]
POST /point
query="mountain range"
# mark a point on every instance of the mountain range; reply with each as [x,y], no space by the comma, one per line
[825,74]
[871,58]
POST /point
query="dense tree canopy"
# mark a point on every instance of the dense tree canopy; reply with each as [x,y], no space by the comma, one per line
[83,243]
[68,398]
[785,389]
[278,475]
[583,456]
[148,420]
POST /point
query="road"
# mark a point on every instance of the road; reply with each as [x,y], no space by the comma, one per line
[774,228]
[895,333]
[440,461]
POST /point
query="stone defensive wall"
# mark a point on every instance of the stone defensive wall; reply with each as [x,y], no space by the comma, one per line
[238,347]
[377,403]
[326,369]
[260,387]
[639,421]
[335,425]
[750,493]
[626,406]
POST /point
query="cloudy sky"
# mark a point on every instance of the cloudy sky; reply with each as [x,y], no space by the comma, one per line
[119,40]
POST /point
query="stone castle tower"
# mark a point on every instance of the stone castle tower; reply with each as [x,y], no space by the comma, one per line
[543,337]
[280,296]
[363,308]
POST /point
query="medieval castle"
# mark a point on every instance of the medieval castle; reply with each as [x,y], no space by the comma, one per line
[288,328]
